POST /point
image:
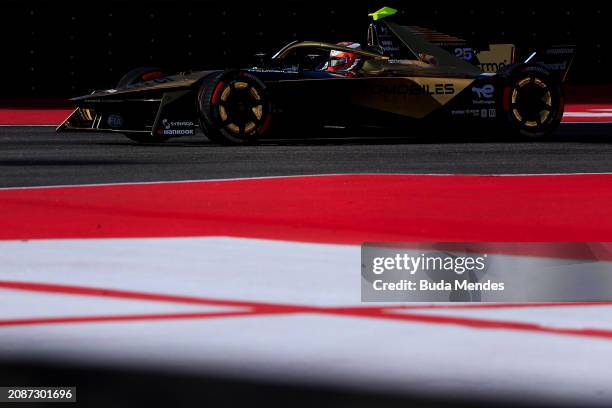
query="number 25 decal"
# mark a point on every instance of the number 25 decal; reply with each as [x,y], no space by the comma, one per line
[464,53]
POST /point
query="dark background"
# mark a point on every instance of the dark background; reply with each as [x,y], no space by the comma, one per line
[61,48]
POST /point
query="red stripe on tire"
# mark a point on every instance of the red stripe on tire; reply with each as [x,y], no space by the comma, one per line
[506,101]
[217,93]
[266,124]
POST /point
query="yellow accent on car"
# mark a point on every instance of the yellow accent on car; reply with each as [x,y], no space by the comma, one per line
[257,111]
[254,94]
[222,113]
[226,93]
[382,13]
[233,128]
[249,127]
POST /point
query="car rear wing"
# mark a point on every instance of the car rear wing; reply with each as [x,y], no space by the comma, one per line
[557,59]
[409,42]
[412,42]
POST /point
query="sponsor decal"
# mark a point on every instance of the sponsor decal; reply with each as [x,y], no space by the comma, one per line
[483,102]
[562,66]
[474,113]
[388,46]
[412,89]
[484,92]
[278,71]
[493,66]
[386,41]
[535,69]
[484,113]
[483,95]
[496,57]
[176,128]
[115,121]
[559,51]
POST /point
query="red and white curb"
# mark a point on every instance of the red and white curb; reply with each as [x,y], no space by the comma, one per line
[261,278]
[287,311]
[591,113]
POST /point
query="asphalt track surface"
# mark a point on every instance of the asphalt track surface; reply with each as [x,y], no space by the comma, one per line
[37,156]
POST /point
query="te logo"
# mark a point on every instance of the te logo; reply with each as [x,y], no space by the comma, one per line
[485,92]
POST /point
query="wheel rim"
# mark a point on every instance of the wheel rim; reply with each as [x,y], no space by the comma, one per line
[531,103]
[240,107]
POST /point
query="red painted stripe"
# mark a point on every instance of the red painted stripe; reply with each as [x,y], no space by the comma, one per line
[53,116]
[336,209]
[411,318]
[27,116]
[599,113]
[258,309]
[597,119]
[72,290]
[120,318]
[486,324]
[138,296]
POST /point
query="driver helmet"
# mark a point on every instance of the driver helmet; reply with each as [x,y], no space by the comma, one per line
[341,60]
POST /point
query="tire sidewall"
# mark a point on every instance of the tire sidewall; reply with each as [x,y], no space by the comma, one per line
[131,78]
[511,78]
[209,112]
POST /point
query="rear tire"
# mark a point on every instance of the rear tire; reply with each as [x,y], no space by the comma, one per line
[234,108]
[532,102]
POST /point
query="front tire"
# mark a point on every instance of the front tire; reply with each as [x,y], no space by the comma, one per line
[139,75]
[133,77]
[234,108]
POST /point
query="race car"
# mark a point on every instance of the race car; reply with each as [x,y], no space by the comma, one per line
[404,77]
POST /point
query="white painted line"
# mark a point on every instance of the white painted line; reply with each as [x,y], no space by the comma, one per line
[304,176]
[588,115]
[600,122]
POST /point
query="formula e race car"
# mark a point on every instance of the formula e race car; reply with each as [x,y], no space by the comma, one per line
[405,75]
